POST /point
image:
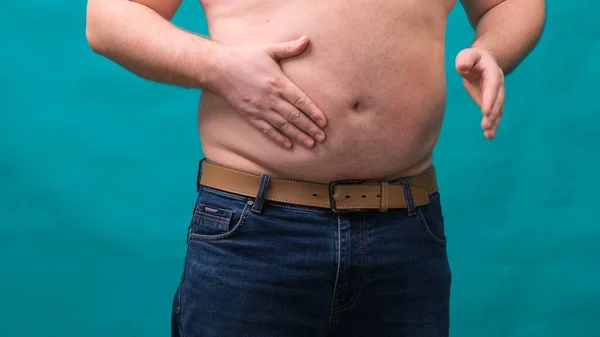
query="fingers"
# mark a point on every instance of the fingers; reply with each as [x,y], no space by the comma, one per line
[272,133]
[289,129]
[288,49]
[490,124]
[491,82]
[491,132]
[484,81]
[284,113]
[498,107]
[291,92]
[295,115]
[284,132]
[299,120]
[303,103]
[480,70]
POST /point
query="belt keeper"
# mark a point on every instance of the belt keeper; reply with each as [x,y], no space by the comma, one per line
[384,201]
[261,195]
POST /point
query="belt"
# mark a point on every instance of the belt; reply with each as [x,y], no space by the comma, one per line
[339,196]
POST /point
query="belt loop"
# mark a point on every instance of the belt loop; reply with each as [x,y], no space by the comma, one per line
[384,192]
[410,203]
[199,174]
[262,194]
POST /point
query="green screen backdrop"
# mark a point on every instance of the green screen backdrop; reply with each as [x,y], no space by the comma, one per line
[97,172]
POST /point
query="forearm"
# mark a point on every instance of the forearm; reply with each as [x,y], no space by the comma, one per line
[510,30]
[148,45]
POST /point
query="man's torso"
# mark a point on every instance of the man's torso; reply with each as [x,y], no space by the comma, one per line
[376,68]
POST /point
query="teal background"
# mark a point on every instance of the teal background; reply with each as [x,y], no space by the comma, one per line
[97,179]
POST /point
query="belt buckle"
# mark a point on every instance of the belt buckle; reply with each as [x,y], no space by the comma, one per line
[332,203]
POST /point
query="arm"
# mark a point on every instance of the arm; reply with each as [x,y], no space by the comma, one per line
[507,29]
[505,33]
[138,36]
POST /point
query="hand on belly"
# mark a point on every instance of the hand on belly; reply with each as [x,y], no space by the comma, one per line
[253,84]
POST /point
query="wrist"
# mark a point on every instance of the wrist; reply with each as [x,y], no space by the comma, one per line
[482,47]
[216,64]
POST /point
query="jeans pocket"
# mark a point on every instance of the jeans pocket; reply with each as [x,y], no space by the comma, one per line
[217,216]
[431,219]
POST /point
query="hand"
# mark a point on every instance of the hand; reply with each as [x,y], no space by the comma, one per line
[253,83]
[484,81]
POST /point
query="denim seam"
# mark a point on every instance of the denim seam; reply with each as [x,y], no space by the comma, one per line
[217,219]
[182,280]
[363,269]
[337,275]
[180,292]
[236,228]
[364,261]
[425,227]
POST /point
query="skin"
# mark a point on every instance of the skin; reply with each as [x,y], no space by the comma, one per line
[321,90]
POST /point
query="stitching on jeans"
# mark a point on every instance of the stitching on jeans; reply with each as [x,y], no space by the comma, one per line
[337,275]
[364,249]
[363,269]
[425,227]
[180,292]
[215,219]
[208,237]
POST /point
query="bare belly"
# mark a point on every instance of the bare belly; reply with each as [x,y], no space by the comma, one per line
[375,68]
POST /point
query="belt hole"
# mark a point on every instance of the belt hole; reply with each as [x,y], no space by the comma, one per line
[347,197]
[315,195]
[378,196]
[364,196]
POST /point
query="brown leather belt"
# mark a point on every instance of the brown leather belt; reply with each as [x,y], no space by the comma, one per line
[340,196]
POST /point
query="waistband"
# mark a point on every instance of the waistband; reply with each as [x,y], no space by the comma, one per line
[339,196]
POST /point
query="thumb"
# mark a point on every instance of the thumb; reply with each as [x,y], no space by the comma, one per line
[287,49]
[466,61]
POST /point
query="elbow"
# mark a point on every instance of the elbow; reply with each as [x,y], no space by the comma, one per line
[93,35]
[93,27]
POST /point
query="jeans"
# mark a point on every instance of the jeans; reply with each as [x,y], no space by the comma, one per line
[285,270]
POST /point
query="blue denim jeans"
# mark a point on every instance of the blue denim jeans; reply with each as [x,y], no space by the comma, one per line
[284,270]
